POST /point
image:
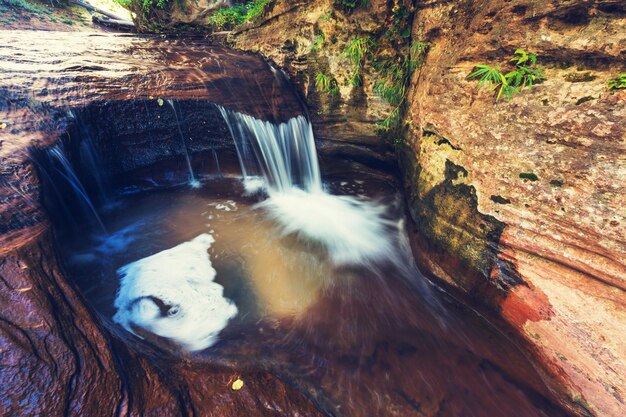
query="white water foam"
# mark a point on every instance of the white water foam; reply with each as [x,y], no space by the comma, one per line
[172,294]
[352,231]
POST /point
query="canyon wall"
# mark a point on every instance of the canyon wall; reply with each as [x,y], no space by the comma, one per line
[518,205]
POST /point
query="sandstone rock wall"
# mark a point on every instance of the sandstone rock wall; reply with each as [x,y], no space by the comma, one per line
[307,38]
[547,255]
[547,251]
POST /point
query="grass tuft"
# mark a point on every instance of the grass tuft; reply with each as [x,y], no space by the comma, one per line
[230,17]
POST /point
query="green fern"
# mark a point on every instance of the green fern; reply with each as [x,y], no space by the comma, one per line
[356,51]
[326,84]
[522,57]
[525,74]
[318,42]
[617,83]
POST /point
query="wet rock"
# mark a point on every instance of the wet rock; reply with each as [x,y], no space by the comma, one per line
[310,38]
[47,334]
[57,356]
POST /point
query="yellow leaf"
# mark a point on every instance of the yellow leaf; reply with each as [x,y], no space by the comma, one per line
[237,385]
[3,125]
[160,101]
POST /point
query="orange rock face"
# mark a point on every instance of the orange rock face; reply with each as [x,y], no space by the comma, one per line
[544,176]
[56,356]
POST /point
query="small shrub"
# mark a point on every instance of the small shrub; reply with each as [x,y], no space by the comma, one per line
[26,6]
[525,73]
[352,4]
[617,83]
[230,17]
[144,5]
[326,84]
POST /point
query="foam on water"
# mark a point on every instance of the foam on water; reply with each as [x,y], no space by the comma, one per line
[351,230]
[172,294]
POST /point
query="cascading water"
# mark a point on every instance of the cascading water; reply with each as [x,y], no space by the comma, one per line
[352,231]
[284,153]
[193,182]
[60,178]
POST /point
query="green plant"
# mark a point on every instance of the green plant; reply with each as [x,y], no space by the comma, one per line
[617,83]
[326,16]
[318,42]
[525,73]
[144,6]
[396,74]
[26,6]
[233,16]
[398,28]
[326,84]
[356,50]
[352,4]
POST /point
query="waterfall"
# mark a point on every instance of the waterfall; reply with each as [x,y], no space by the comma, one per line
[61,179]
[353,231]
[91,165]
[283,153]
[193,182]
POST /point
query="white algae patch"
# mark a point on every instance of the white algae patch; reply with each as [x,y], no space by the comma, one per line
[172,294]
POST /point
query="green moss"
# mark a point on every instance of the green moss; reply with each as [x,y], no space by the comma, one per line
[447,216]
[528,176]
[584,100]
[580,77]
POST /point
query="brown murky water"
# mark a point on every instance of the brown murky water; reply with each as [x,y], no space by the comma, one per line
[373,340]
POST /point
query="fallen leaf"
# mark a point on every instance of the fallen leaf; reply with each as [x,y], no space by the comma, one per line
[160,101]
[3,125]
[237,385]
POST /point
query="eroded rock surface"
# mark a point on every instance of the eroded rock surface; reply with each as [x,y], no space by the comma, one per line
[521,203]
[56,356]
